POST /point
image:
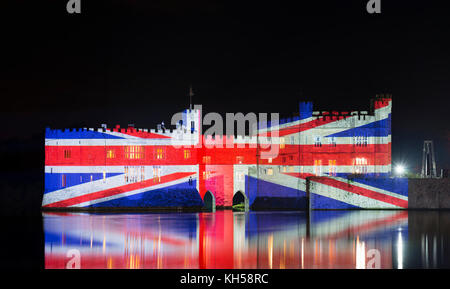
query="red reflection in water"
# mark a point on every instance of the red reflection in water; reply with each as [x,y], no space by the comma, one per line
[220,240]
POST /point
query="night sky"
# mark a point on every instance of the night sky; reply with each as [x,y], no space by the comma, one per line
[121,62]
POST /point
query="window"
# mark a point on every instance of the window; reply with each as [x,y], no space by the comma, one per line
[63,181]
[159,154]
[134,152]
[134,174]
[317,141]
[360,166]
[206,159]
[360,140]
[332,167]
[156,174]
[206,175]
[269,160]
[318,167]
[282,143]
[269,171]
[67,154]
[332,141]
[187,154]
[142,173]
[110,154]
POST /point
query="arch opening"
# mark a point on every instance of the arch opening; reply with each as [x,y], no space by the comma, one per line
[209,201]
[240,201]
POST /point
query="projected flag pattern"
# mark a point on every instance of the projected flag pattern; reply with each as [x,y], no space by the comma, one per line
[174,168]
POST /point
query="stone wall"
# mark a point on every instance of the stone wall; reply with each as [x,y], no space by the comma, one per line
[429,193]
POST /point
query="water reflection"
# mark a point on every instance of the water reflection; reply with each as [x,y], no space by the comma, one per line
[226,239]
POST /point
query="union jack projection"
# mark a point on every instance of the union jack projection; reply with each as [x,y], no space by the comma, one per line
[336,160]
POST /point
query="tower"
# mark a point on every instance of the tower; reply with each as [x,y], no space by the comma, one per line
[428,160]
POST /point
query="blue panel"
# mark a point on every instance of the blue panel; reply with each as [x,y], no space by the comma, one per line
[53,181]
[180,195]
[306,110]
[382,181]
[256,188]
[321,202]
[373,129]
[367,175]
[394,185]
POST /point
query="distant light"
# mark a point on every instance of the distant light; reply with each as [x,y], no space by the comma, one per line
[399,170]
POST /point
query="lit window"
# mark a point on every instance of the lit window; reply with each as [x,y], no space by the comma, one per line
[360,166]
[156,174]
[134,152]
[67,154]
[206,175]
[282,143]
[269,171]
[318,167]
[332,167]
[206,159]
[187,154]
[63,180]
[110,154]
[269,160]
[159,154]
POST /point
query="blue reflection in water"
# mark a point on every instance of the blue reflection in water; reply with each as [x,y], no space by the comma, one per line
[226,239]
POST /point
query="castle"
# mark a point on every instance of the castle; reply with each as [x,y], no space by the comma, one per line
[325,159]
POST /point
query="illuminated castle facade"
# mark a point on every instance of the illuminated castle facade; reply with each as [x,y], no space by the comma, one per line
[333,159]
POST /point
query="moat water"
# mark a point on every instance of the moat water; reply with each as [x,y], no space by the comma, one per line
[227,239]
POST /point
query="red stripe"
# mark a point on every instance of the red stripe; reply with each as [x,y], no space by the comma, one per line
[361,191]
[118,190]
[299,175]
[303,155]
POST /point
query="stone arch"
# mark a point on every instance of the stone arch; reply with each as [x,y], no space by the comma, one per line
[210,201]
[240,198]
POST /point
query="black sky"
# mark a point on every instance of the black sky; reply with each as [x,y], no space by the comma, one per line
[121,62]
